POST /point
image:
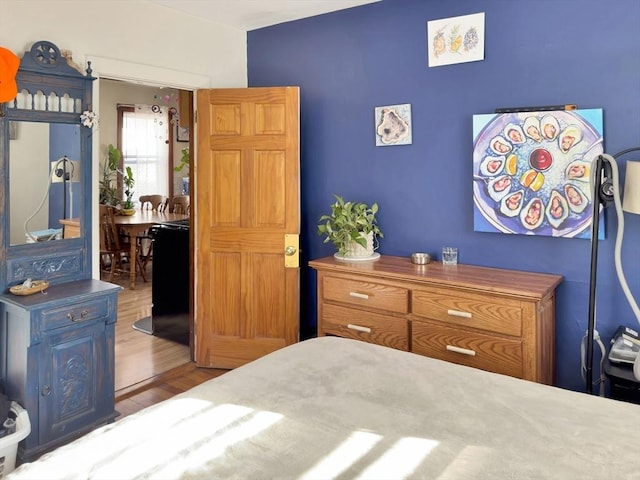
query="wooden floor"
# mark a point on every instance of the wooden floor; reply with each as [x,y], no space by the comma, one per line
[148,369]
[162,387]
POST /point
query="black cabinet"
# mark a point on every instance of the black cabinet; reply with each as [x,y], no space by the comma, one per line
[170,283]
[57,360]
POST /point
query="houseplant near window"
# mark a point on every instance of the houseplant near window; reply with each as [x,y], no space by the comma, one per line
[129,182]
[109,192]
[352,228]
[184,162]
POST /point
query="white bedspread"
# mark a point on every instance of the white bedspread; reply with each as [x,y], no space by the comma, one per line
[338,408]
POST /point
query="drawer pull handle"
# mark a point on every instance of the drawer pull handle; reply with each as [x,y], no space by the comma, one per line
[72,317]
[464,351]
[458,313]
[359,328]
[46,391]
[359,295]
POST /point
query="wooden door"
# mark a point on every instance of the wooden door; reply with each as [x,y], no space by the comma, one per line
[247,209]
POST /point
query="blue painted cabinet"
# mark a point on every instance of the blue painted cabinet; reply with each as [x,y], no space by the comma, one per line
[58,361]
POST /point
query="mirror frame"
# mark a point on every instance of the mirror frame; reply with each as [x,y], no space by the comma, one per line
[44,69]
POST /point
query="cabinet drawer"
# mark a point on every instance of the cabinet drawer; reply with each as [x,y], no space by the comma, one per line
[75,313]
[367,326]
[470,310]
[492,353]
[369,294]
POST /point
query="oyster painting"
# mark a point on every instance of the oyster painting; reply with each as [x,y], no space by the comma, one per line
[455,40]
[531,172]
[393,125]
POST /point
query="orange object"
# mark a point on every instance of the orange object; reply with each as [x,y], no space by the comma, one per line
[9,63]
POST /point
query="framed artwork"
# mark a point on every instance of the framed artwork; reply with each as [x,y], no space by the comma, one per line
[182,133]
[531,172]
[455,40]
[393,125]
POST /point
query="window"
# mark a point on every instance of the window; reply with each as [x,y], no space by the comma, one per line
[144,146]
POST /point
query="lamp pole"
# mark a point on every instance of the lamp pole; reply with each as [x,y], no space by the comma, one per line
[603,193]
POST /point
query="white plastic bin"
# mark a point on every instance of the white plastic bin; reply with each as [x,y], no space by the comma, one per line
[9,444]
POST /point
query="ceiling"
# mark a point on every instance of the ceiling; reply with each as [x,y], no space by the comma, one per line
[252,14]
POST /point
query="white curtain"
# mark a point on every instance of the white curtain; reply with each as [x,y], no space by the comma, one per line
[145,148]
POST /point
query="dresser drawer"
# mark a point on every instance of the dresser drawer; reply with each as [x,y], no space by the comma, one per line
[363,293]
[367,326]
[483,312]
[492,353]
[75,313]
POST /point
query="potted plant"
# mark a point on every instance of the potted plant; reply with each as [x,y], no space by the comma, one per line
[184,162]
[352,228]
[129,182]
[108,192]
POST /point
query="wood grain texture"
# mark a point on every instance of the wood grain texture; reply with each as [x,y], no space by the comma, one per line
[507,282]
[497,320]
[348,322]
[247,197]
[469,310]
[492,353]
[163,387]
[366,294]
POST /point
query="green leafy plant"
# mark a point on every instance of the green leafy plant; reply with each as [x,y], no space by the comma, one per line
[347,223]
[128,182]
[109,192]
[184,160]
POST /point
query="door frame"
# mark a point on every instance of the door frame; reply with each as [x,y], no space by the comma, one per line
[134,73]
[148,75]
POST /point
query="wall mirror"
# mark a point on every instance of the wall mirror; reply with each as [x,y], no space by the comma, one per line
[44,182]
[46,160]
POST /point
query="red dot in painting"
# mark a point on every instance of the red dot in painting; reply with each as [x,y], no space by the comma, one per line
[540,159]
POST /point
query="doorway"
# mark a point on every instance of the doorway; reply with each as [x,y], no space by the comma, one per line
[138,356]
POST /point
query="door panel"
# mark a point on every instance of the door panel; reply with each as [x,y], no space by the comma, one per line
[247,200]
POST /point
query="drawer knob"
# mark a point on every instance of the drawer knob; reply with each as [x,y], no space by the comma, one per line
[359,328]
[458,313]
[464,351]
[359,295]
[83,315]
[46,391]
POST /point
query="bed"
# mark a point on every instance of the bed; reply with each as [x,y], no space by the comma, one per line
[331,407]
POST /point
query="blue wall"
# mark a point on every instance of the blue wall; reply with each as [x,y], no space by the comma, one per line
[540,52]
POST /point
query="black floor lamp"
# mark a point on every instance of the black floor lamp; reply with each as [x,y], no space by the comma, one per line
[604,191]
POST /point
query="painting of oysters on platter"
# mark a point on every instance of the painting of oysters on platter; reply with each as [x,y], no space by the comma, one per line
[531,172]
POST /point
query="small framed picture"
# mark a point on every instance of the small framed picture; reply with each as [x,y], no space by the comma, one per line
[182,133]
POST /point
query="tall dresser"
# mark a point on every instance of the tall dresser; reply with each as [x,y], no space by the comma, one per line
[56,346]
[493,319]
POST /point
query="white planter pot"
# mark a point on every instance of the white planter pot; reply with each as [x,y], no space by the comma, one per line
[355,250]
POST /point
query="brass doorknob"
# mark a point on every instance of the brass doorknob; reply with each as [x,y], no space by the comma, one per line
[290,250]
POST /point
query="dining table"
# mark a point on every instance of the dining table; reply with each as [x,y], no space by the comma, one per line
[136,224]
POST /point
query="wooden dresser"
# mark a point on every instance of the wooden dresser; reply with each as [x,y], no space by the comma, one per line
[58,361]
[498,320]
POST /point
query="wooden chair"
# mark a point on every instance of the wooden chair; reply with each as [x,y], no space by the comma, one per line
[154,202]
[180,204]
[111,246]
[145,240]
